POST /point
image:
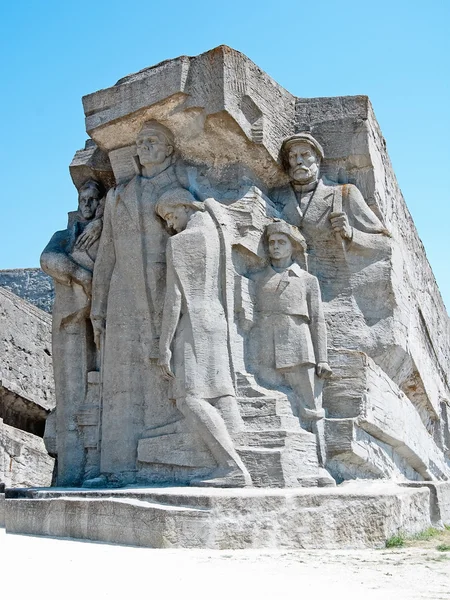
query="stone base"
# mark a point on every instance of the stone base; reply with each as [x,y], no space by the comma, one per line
[353,515]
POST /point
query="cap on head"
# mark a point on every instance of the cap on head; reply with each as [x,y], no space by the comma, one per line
[177,197]
[95,185]
[155,127]
[303,136]
[292,233]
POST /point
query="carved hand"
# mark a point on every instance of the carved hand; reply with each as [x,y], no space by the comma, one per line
[98,324]
[89,235]
[164,365]
[323,370]
[340,225]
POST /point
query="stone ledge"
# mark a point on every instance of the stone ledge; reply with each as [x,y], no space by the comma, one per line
[354,515]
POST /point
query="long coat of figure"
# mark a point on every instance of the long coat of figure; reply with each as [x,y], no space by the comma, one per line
[289,338]
[290,328]
[201,361]
[128,290]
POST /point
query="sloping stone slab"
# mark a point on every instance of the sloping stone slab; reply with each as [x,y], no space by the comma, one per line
[354,515]
[360,397]
[439,500]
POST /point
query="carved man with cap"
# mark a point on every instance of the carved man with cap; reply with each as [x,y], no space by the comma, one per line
[127,303]
[335,219]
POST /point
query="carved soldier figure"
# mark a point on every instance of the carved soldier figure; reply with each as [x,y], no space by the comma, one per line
[334,218]
[194,352]
[69,258]
[127,302]
[290,331]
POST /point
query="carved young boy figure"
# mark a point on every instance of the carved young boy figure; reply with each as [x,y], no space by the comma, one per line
[194,345]
[69,259]
[290,330]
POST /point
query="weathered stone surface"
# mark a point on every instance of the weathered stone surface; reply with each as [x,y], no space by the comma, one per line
[32,285]
[24,461]
[351,516]
[214,103]
[439,500]
[91,163]
[26,392]
[26,363]
[373,429]
[249,235]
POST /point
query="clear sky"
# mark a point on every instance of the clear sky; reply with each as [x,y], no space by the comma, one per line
[397,52]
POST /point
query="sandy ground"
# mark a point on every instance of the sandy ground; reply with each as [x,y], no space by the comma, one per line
[33,567]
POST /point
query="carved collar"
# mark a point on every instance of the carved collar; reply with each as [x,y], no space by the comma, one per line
[294,270]
[304,189]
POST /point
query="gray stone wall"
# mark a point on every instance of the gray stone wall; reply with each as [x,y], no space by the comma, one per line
[26,392]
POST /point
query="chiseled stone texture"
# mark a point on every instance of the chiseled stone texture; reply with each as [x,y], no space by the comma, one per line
[26,358]
[188,297]
[24,461]
[32,285]
[26,392]
[373,430]
[412,345]
[351,516]
[221,104]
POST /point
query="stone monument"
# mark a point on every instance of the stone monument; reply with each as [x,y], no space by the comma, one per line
[250,307]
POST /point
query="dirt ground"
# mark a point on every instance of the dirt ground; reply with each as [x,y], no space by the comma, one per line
[33,567]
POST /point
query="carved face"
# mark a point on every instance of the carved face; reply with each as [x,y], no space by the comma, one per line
[304,163]
[152,148]
[88,201]
[280,246]
[177,218]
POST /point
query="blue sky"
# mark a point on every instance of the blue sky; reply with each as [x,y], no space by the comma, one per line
[395,52]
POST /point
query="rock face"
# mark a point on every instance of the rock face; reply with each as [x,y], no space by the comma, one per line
[32,285]
[250,303]
[26,392]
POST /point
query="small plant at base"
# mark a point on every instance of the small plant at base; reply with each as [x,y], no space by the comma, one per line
[396,541]
[426,534]
[443,547]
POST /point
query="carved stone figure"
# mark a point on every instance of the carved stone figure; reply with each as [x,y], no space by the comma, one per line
[334,218]
[290,332]
[194,330]
[127,302]
[244,323]
[69,258]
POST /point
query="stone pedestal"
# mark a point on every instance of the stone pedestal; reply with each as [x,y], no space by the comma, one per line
[354,515]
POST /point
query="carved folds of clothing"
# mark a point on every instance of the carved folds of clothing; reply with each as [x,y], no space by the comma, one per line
[128,289]
[290,327]
[201,362]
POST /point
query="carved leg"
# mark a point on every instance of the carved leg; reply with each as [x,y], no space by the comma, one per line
[210,425]
[308,391]
[307,388]
[228,408]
